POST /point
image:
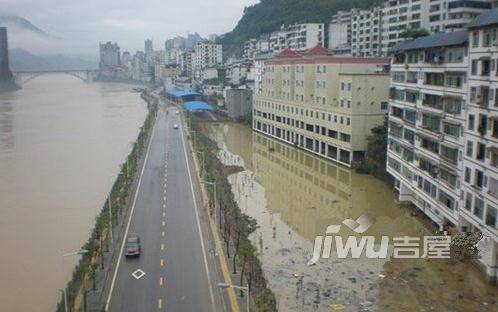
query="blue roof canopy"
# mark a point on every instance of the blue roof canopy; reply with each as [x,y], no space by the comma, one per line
[182,93]
[194,106]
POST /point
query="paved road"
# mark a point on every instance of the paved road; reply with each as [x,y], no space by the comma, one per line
[180,267]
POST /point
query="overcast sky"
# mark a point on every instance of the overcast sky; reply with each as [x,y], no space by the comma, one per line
[83,23]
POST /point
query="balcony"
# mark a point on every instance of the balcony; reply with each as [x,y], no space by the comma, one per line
[434,79]
[433,101]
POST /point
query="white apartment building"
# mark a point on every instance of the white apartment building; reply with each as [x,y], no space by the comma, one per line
[253,47]
[206,54]
[257,70]
[366,27]
[443,143]
[433,15]
[324,104]
[340,33]
[426,123]
[298,37]
[480,179]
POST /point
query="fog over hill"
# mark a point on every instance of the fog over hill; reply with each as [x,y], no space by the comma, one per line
[32,48]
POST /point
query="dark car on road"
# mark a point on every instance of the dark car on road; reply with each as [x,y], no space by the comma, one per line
[133,247]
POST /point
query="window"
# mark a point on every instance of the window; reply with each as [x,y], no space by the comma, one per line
[493,187]
[447,200]
[468,174]
[475,39]
[448,177]
[449,153]
[479,178]
[470,148]
[431,122]
[471,123]
[481,151]
[468,202]
[491,216]
[451,129]
[478,207]
[409,136]
[474,67]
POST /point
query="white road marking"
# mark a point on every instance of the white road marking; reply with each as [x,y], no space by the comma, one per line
[138,274]
[129,220]
[203,248]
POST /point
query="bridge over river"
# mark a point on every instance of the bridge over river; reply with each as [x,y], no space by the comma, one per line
[22,77]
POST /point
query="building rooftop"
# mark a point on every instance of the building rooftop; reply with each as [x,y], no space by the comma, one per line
[318,50]
[181,93]
[194,106]
[288,53]
[432,41]
[487,18]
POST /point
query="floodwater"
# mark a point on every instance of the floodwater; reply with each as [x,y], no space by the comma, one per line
[61,145]
[295,196]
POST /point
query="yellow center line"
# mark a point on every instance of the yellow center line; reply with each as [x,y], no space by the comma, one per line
[160,303]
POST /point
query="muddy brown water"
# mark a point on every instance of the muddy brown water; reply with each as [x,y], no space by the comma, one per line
[61,144]
[295,195]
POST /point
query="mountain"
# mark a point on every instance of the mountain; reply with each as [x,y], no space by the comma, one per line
[268,15]
[22,60]
[18,23]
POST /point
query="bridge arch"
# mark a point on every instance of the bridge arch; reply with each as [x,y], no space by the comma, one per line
[23,77]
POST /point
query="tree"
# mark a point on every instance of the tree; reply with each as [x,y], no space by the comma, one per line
[247,254]
[377,148]
[243,227]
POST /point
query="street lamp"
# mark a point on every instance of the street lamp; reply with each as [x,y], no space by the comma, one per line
[214,187]
[74,253]
[225,286]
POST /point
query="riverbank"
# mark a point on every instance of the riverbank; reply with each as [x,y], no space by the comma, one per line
[294,196]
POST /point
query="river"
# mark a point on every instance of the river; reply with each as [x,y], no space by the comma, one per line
[294,196]
[61,145]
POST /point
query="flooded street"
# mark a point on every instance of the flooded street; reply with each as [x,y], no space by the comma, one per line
[61,145]
[295,196]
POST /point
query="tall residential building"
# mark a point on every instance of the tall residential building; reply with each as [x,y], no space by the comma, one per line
[4,54]
[480,166]
[321,103]
[298,37]
[206,54]
[432,15]
[339,41]
[109,55]
[148,46]
[426,123]
[366,27]
[258,69]
[443,137]
[252,47]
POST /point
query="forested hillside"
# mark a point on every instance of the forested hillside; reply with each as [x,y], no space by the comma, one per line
[269,15]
